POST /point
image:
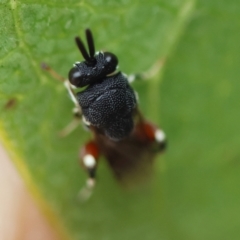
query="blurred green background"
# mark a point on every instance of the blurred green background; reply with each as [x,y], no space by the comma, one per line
[195,191]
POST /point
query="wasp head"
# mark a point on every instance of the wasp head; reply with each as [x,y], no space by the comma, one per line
[96,65]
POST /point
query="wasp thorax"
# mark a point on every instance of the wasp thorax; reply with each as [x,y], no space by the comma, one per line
[109,105]
[86,72]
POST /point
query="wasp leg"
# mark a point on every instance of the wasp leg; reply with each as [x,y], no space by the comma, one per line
[89,158]
[150,73]
[148,132]
[160,138]
[77,111]
[70,88]
[70,127]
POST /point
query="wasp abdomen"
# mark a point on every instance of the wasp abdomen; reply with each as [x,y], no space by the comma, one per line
[108,105]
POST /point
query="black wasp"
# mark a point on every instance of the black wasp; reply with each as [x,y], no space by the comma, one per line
[108,107]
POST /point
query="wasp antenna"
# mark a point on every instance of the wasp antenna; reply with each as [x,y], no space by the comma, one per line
[82,49]
[90,42]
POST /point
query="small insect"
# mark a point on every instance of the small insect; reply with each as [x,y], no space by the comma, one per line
[108,107]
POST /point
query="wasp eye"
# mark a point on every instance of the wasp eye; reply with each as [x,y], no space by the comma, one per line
[111,61]
[75,77]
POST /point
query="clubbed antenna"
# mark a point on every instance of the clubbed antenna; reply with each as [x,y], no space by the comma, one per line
[82,49]
[89,57]
[90,42]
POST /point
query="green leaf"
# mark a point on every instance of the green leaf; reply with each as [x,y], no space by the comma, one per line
[195,192]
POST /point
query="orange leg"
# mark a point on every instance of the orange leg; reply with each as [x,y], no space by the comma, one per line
[89,156]
[148,132]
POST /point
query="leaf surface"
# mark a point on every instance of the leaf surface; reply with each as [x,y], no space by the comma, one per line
[195,193]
